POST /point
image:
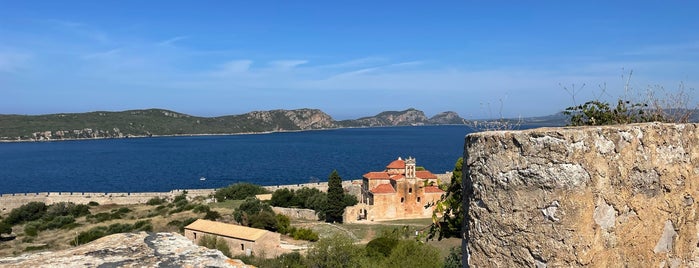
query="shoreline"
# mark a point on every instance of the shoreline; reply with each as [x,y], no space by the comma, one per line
[214,134]
[10,201]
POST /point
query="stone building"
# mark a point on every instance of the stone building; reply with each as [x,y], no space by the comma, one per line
[240,239]
[399,192]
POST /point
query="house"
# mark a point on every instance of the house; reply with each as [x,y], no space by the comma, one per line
[400,191]
[240,239]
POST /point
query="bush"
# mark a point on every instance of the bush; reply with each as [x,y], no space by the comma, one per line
[305,234]
[155,201]
[239,191]
[283,224]
[382,245]
[5,228]
[100,231]
[214,242]
[283,198]
[410,253]
[212,215]
[181,224]
[31,229]
[25,213]
[93,204]
[250,207]
[336,251]
[201,209]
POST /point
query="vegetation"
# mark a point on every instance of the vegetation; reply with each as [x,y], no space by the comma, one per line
[673,107]
[239,191]
[308,198]
[214,242]
[450,207]
[336,202]
[101,231]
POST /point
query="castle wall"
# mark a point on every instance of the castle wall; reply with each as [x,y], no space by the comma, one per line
[615,196]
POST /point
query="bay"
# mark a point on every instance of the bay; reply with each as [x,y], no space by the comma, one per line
[167,163]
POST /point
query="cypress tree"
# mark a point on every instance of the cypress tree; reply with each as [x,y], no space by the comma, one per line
[336,206]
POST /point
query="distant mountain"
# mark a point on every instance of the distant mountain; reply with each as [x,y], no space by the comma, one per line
[156,122]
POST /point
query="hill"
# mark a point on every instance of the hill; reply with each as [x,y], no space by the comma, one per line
[159,122]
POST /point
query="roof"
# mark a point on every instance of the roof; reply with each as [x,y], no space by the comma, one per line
[383,189]
[425,174]
[397,177]
[399,163]
[433,189]
[377,175]
[225,229]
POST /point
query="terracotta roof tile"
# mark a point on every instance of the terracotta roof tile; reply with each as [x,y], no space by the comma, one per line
[425,174]
[396,164]
[377,175]
[433,189]
[383,189]
[225,229]
[397,177]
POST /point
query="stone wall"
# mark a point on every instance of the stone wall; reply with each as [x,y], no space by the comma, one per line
[297,213]
[10,201]
[617,196]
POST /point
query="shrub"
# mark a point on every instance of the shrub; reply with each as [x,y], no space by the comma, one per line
[100,231]
[31,229]
[239,191]
[283,198]
[410,253]
[336,251]
[155,201]
[305,234]
[212,215]
[5,228]
[93,204]
[25,213]
[214,242]
[283,224]
[181,224]
[381,245]
[251,206]
[201,209]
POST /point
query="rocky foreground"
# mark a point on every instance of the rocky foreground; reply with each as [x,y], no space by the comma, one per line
[129,250]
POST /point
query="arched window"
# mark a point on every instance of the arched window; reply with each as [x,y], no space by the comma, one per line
[402,199]
[418,199]
[410,190]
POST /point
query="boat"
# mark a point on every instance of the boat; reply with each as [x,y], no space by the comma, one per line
[202,179]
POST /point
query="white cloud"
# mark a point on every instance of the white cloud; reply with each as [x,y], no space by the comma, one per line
[172,41]
[287,64]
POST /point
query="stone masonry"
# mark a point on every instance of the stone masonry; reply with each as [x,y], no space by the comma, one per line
[615,196]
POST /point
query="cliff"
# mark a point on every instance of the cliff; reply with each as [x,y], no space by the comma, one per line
[129,250]
[616,196]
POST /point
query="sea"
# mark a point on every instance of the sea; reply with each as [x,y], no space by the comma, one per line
[196,162]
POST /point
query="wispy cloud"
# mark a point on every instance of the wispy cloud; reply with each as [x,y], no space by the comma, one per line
[172,41]
[233,67]
[287,64]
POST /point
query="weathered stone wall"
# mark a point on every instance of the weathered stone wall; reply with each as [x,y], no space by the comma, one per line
[617,196]
[10,201]
[297,213]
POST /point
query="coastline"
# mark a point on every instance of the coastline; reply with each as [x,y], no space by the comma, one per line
[14,200]
[213,134]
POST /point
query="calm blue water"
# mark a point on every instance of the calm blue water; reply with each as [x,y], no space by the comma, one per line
[166,163]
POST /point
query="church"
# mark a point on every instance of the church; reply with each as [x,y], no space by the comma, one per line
[399,192]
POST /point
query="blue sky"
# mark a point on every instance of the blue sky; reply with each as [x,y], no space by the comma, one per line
[348,58]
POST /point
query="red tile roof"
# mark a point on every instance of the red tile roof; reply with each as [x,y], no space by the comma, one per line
[396,164]
[377,175]
[425,174]
[433,189]
[383,189]
[397,177]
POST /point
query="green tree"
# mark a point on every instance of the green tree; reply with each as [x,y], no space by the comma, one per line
[283,224]
[282,198]
[239,191]
[453,260]
[450,207]
[336,206]
[249,208]
[264,220]
[336,251]
[411,253]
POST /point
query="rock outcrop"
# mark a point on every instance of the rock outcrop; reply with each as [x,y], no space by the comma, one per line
[129,250]
[616,196]
[390,118]
[447,118]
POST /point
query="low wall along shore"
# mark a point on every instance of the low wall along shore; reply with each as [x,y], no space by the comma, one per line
[10,201]
[616,196]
